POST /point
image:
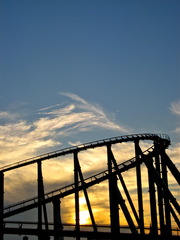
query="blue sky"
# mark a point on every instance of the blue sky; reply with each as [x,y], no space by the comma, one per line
[121,55]
[78,71]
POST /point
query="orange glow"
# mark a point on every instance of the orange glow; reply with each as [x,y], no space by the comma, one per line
[84,217]
[84,213]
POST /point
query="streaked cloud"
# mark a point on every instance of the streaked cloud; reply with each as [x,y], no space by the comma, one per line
[174,154]
[97,118]
[177,130]
[175,107]
[7,115]
[21,138]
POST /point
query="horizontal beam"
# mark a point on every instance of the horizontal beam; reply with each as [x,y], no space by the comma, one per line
[86,234]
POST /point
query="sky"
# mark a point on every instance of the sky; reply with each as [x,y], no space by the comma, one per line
[79,71]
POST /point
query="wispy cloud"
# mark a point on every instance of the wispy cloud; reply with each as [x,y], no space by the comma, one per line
[7,115]
[21,138]
[177,130]
[174,153]
[175,107]
[97,117]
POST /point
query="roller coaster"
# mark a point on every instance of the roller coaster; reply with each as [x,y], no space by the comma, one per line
[164,208]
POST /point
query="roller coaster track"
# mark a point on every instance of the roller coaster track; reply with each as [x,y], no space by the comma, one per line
[161,142]
[90,181]
[126,138]
[69,189]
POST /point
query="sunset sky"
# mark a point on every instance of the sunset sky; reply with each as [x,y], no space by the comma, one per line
[78,71]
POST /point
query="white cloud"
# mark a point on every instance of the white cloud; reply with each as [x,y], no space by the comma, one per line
[7,115]
[174,153]
[20,139]
[175,108]
[97,118]
[177,130]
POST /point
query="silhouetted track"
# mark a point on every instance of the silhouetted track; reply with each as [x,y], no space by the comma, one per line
[90,181]
[154,158]
[100,143]
[69,189]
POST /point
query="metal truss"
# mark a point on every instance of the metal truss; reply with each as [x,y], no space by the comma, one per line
[164,208]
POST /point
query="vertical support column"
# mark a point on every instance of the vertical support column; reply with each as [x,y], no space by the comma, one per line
[57,219]
[76,180]
[154,228]
[175,172]
[41,206]
[39,171]
[160,195]
[125,189]
[139,187]
[166,199]
[87,198]
[114,209]
[1,204]
[118,196]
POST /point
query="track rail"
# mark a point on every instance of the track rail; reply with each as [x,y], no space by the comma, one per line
[163,138]
[154,159]
[90,181]
[70,189]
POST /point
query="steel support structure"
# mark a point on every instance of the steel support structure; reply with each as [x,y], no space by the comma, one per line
[76,182]
[89,235]
[1,205]
[79,176]
[171,166]
[39,199]
[161,182]
[176,218]
[162,202]
[113,200]
[160,193]
[166,199]
[121,201]
[116,198]
[57,219]
[87,198]
[139,186]
[126,213]
[41,205]
[152,197]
